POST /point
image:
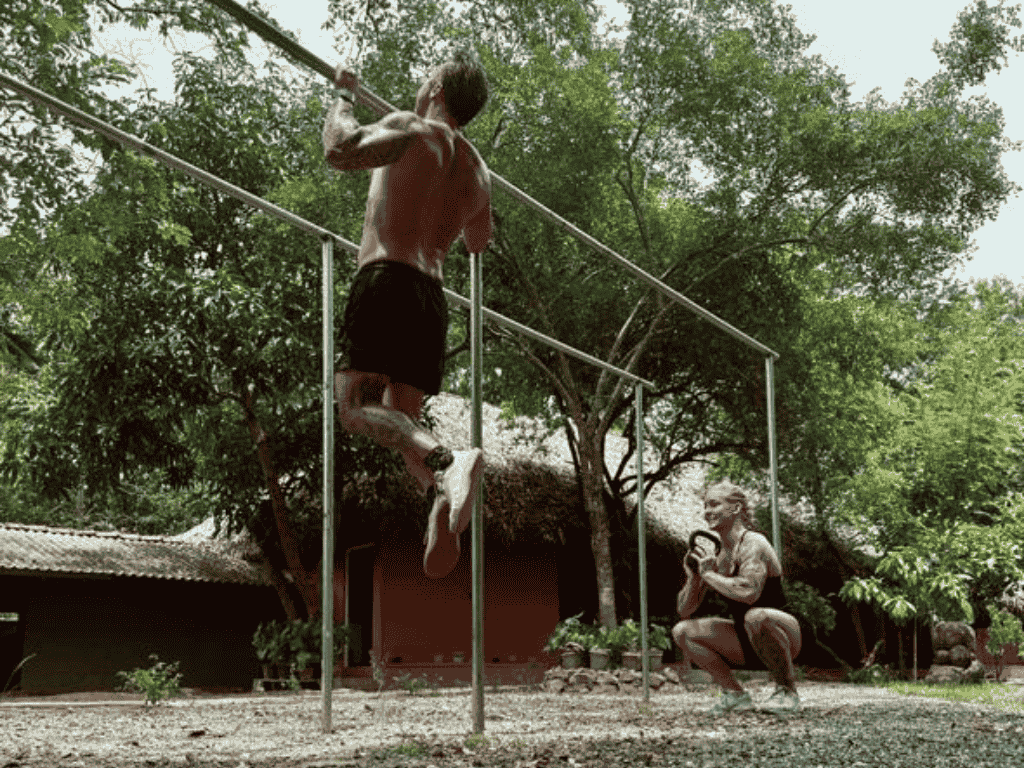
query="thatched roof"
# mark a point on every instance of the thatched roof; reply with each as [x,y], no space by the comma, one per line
[532,495]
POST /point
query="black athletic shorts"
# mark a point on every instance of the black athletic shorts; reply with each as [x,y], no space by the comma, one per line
[396,323]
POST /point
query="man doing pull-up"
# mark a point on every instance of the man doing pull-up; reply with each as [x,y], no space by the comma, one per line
[428,186]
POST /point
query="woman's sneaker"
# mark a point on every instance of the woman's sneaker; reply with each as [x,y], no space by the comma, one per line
[782,702]
[733,701]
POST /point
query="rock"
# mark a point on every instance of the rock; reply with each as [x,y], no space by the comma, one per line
[942,658]
[627,676]
[554,685]
[943,673]
[946,634]
[605,682]
[974,673]
[960,656]
[581,679]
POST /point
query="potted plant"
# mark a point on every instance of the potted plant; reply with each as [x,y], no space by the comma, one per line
[600,648]
[629,636]
[458,657]
[571,638]
[659,640]
[303,648]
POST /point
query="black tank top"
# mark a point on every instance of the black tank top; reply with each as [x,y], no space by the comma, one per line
[771,596]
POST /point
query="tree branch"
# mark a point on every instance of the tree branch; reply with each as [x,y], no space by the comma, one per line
[150,11]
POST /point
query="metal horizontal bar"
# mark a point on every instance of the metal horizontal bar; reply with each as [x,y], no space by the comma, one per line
[273,35]
[648,278]
[115,134]
[526,330]
[296,51]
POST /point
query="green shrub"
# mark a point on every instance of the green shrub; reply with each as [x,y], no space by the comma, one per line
[876,674]
[1005,630]
[160,681]
[412,685]
[572,630]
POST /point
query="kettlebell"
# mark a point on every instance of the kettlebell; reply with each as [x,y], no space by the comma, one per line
[693,540]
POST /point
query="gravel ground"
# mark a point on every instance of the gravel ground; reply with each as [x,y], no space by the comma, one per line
[840,725]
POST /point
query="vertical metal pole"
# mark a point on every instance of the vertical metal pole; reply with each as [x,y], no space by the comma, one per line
[645,659]
[327,609]
[476,436]
[773,461]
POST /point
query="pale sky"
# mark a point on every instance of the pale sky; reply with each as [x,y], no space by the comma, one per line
[880,45]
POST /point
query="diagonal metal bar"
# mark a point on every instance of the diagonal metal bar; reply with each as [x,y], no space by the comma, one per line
[526,330]
[116,134]
[273,35]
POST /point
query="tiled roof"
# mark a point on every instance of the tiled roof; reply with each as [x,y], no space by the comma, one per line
[32,549]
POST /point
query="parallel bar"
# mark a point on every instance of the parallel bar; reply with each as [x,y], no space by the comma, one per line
[477,530]
[289,46]
[273,35]
[116,134]
[494,317]
[327,608]
[773,460]
[120,136]
[641,538]
[651,280]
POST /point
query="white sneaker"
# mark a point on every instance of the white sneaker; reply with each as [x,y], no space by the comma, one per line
[461,482]
[733,701]
[443,546]
[782,702]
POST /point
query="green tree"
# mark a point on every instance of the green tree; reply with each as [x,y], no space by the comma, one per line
[200,346]
[734,168]
[939,497]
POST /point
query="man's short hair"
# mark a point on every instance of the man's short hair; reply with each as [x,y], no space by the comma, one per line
[465,85]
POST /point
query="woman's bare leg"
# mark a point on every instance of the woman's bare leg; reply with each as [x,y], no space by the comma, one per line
[712,645]
[775,636]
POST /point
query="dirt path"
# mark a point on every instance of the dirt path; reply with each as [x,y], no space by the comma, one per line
[523,730]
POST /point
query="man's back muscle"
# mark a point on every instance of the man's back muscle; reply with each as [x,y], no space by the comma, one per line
[420,204]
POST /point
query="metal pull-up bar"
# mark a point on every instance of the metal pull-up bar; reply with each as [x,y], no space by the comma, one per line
[379,105]
[477,314]
[122,137]
[273,35]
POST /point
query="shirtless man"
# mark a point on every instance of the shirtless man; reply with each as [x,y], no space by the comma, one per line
[428,186]
[748,574]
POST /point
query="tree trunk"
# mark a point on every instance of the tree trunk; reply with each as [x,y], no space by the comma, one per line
[592,478]
[282,590]
[899,636]
[305,582]
[858,627]
[915,649]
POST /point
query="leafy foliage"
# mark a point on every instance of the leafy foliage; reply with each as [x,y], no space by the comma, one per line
[938,496]
[1005,630]
[153,315]
[161,681]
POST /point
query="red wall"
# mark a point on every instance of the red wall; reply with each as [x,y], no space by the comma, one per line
[416,617]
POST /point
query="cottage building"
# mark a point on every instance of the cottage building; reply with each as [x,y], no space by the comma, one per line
[87,604]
